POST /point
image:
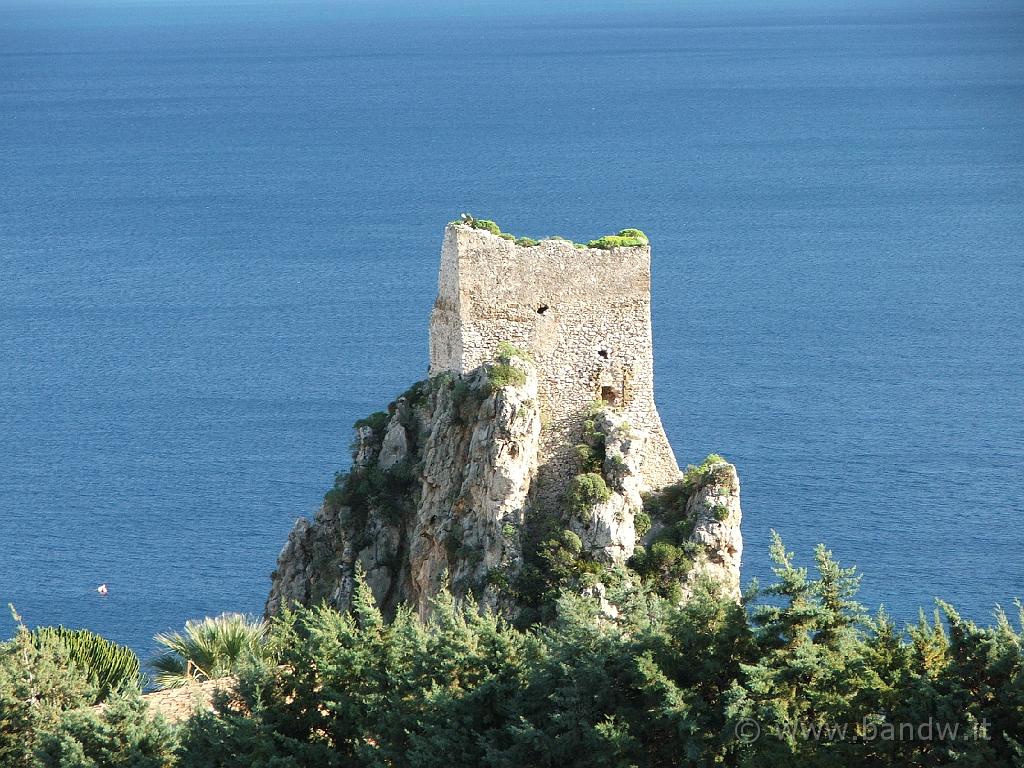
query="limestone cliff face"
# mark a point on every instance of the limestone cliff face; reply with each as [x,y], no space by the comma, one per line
[714,508]
[436,495]
[442,493]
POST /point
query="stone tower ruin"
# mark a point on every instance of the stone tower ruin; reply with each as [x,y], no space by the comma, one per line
[584,316]
[459,482]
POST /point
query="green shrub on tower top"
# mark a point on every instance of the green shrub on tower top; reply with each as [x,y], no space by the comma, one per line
[627,238]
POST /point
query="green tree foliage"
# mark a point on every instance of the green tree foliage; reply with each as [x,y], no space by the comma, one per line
[354,690]
[656,684]
[38,683]
[210,648]
[586,490]
[121,735]
[110,667]
[652,684]
[810,662]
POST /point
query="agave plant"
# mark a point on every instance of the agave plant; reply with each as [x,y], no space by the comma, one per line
[210,648]
[110,666]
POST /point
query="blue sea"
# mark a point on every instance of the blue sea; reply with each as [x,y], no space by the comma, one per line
[219,237]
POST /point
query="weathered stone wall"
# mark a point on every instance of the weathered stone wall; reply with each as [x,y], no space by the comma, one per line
[584,315]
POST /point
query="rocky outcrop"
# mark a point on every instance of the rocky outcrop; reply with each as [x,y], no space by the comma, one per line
[607,529]
[441,494]
[533,460]
[477,466]
[714,508]
[436,496]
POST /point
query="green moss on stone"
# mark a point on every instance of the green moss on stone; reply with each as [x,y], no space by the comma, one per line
[627,238]
[487,225]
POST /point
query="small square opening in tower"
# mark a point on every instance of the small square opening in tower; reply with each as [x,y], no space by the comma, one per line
[542,309]
[609,396]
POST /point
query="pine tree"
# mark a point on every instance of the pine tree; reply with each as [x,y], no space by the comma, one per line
[123,734]
[811,664]
[38,682]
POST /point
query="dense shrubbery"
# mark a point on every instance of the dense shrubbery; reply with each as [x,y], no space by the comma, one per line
[627,238]
[38,683]
[486,225]
[109,667]
[377,421]
[361,489]
[123,735]
[800,677]
[592,451]
[50,680]
[507,350]
[586,490]
[505,375]
[503,372]
[668,554]
[660,685]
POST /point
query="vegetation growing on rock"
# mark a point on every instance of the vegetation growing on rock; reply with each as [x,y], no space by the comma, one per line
[363,489]
[507,351]
[503,372]
[585,491]
[376,422]
[592,452]
[706,469]
[626,238]
[667,559]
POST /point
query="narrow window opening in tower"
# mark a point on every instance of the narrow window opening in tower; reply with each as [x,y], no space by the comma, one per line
[604,354]
[609,395]
[542,309]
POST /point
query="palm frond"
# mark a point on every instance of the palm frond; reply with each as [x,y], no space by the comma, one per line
[209,648]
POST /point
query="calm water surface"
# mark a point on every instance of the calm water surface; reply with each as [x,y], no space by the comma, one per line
[219,235]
